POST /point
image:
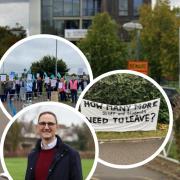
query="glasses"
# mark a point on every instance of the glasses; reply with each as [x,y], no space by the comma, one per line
[49,124]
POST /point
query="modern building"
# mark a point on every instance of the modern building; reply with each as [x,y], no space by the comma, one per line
[71,18]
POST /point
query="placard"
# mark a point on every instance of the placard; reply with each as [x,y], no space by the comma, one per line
[53,82]
[3,77]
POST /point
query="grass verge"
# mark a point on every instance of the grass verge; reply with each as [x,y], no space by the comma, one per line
[17,167]
[160,132]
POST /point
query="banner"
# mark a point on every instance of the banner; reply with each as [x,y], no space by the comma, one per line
[121,118]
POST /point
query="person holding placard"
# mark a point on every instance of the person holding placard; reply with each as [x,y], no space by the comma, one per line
[62,89]
[29,86]
[73,86]
[39,85]
[2,88]
[48,89]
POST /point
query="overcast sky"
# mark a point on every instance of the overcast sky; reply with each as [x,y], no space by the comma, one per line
[13,11]
[64,115]
[33,50]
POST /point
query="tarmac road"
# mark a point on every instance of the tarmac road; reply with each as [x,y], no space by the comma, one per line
[125,152]
[3,122]
[141,173]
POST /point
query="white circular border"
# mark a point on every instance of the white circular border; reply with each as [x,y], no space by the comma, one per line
[71,109]
[169,108]
[40,36]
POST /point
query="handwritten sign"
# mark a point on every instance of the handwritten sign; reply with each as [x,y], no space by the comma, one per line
[121,118]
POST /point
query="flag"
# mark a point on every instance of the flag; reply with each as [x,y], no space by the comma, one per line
[52,76]
[59,75]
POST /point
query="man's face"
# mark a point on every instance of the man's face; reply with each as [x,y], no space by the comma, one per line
[47,127]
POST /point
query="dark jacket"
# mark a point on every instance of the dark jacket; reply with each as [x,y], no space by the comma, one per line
[65,166]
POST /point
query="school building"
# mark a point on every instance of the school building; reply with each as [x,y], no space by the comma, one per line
[71,18]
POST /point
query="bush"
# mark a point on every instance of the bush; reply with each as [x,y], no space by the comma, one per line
[122,89]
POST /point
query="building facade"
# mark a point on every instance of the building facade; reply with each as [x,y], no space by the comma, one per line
[60,17]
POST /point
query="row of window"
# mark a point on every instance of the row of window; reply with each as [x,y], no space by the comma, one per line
[124,7]
[62,8]
[71,7]
[57,26]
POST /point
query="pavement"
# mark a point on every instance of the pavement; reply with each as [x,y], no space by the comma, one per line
[150,171]
[141,173]
[125,152]
[3,122]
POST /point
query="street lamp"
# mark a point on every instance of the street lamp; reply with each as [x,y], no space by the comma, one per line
[178,16]
[131,26]
[56,60]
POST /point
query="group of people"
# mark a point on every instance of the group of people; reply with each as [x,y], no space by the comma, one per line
[26,89]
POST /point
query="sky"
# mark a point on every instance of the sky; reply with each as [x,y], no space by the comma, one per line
[33,50]
[13,11]
[64,115]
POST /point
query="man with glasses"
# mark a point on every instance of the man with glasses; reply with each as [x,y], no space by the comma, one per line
[52,159]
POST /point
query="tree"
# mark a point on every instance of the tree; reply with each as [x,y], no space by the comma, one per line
[159,40]
[122,89]
[85,142]
[102,46]
[10,36]
[13,137]
[47,64]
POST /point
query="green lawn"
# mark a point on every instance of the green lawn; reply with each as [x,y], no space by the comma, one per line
[17,167]
[160,132]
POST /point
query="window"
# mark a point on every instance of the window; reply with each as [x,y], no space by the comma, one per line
[86,24]
[123,7]
[91,7]
[72,24]
[63,8]
[59,27]
[58,8]
[137,4]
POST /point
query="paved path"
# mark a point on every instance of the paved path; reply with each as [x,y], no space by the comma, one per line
[3,122]
[128,151]
[141,173]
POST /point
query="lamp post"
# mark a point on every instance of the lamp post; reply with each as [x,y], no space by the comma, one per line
[56,61]
[178,16]
[131,26]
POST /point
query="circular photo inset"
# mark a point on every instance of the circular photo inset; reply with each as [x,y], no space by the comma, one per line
[42,68]
[131,115]
[49,141]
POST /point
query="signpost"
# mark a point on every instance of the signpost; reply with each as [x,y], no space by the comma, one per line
[140,66]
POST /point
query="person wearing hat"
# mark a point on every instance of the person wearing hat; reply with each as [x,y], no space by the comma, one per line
[51,159]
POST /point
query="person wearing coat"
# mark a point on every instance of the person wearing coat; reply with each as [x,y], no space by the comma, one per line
[51,159]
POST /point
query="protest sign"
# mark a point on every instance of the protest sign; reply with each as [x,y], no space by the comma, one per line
[29,77]
[121,118]
[37,75]
[17,82]
[3,77]
[46,80]
[53,82]
[11,77]
[60,85]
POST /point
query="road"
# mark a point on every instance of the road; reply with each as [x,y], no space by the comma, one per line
[124,152]
[3,122]
[141,173]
